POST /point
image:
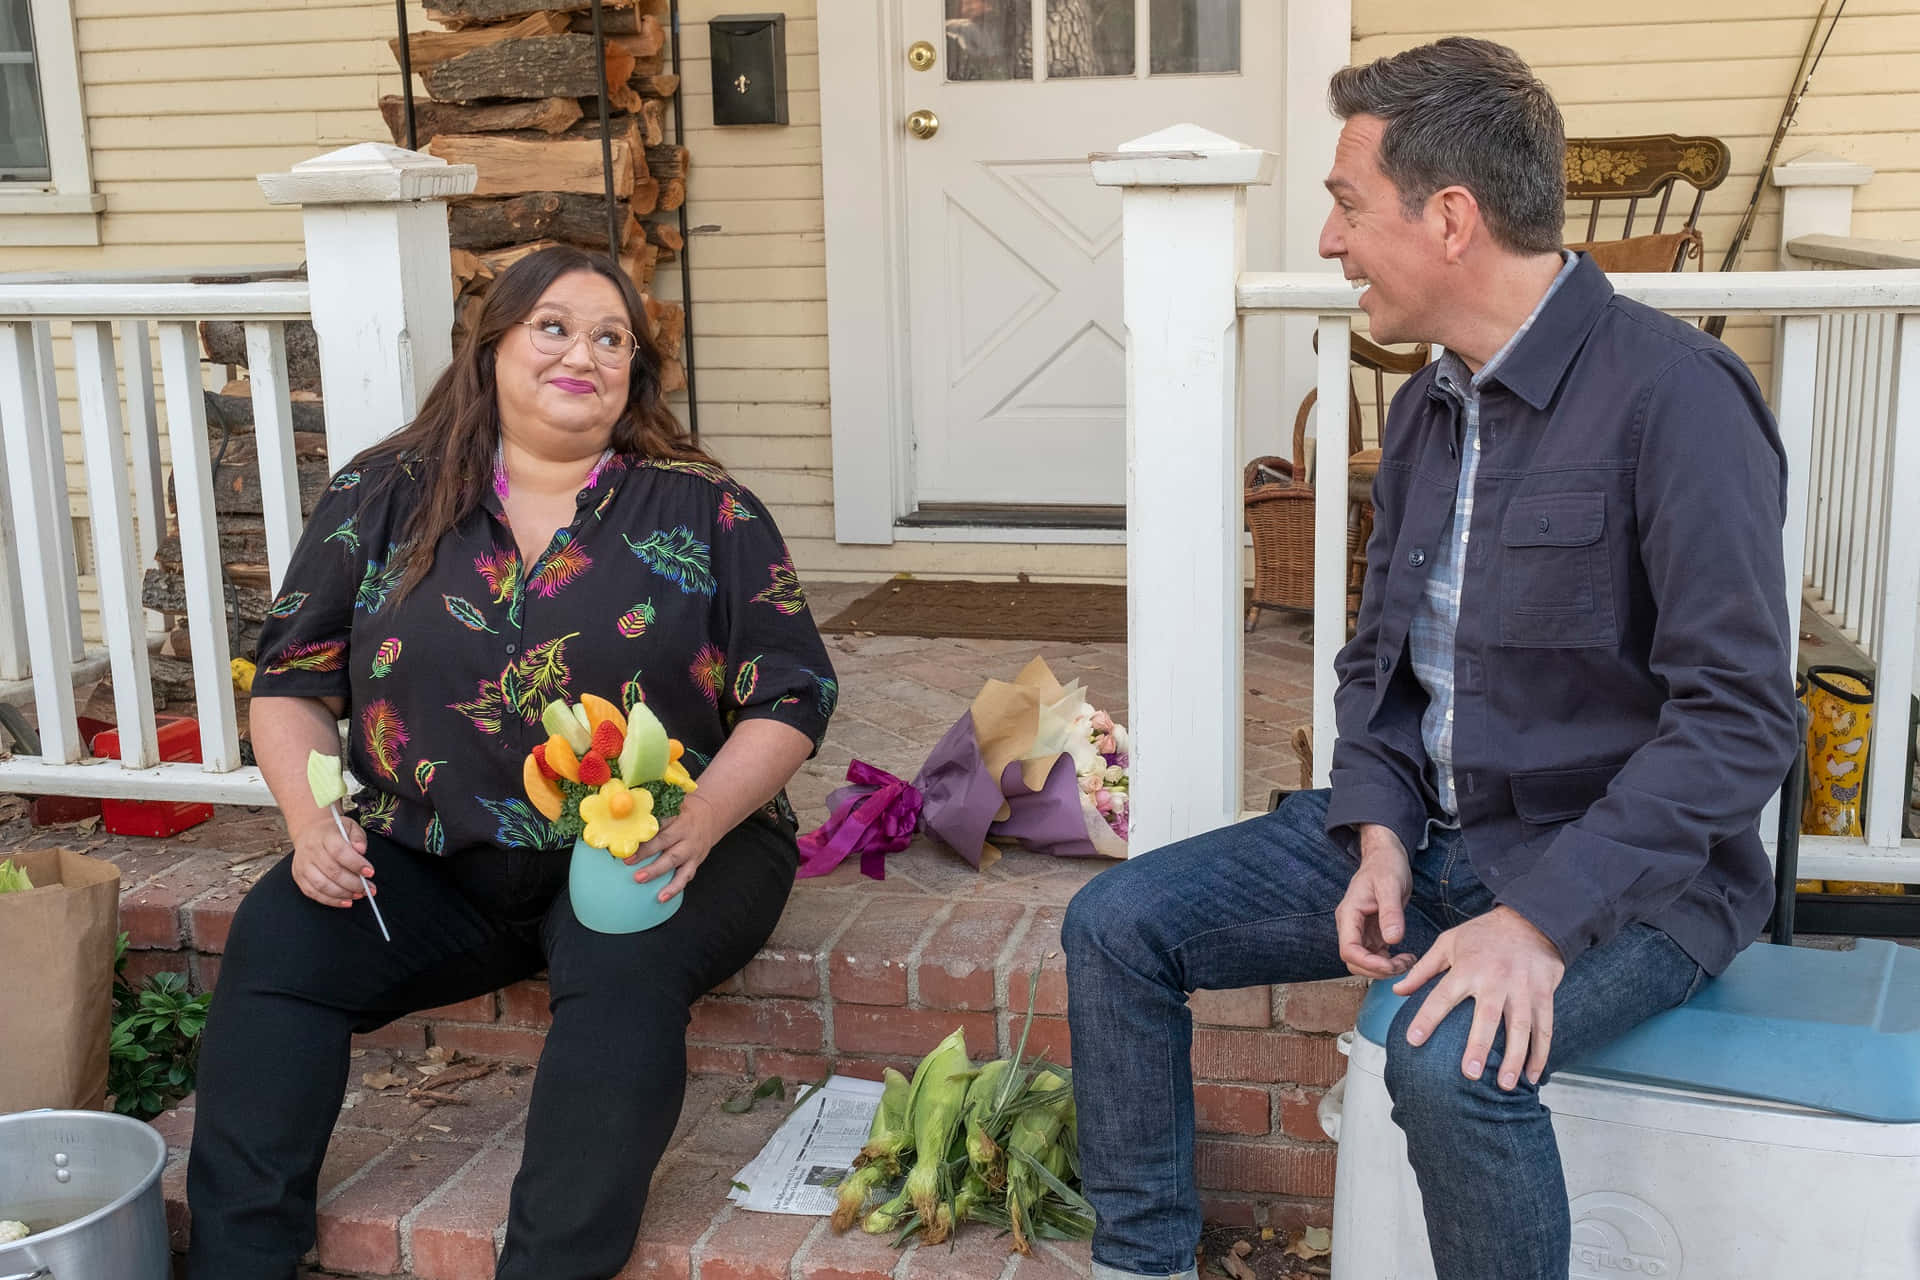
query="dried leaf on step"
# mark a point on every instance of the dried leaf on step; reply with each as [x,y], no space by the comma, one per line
[388,1079]
[1241,1248]
[740,1104]
[1314,1242]
[442,1055]
[1239,1270]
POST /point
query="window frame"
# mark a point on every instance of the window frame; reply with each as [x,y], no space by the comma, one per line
[65,209]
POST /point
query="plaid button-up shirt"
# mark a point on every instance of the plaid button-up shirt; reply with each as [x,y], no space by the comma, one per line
[1437,616]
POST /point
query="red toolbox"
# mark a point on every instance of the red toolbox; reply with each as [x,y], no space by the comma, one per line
[49,811]
[179,742]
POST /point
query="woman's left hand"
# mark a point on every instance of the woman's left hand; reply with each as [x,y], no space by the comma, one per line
[683,844]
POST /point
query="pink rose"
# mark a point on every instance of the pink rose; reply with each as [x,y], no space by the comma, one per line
[1102,722]
[1107,746]
[1103,800]
[1090,781]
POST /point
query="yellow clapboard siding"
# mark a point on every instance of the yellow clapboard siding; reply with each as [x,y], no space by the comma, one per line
[786,453]
[803,107]
[752,216]
[762,386]
[197,164]
[1692,41]
[759,182]
[758,319]
[803,31]
[770,284]
[730,352]
[238,27]
[787,488]
[293,93]
[1375,17]
[799,143]
[360,54]
[771,249]
[726,420]
[235,129]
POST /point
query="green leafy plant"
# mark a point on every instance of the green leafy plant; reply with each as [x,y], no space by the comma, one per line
[155,1042]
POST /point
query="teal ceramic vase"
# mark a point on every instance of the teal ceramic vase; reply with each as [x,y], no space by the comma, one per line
[605,897]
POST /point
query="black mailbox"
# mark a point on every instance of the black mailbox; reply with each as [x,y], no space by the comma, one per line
[749,53]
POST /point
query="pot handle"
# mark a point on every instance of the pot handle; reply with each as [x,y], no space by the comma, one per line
[30,1275]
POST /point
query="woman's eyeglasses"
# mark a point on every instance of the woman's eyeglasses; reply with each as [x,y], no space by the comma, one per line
[554,334]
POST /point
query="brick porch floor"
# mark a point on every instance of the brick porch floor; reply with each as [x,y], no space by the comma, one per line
[859,974]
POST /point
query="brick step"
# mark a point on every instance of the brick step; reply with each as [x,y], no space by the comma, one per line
[422,1194]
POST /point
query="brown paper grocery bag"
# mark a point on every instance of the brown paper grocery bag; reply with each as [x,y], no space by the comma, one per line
[56,981]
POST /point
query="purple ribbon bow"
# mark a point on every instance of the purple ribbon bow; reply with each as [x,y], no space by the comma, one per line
[875,816]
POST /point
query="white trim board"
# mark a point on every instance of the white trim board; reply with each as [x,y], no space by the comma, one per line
[862,70]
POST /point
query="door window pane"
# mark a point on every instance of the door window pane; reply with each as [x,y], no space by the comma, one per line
[989,39]
[1192,36]
[1089,38]
[23,131]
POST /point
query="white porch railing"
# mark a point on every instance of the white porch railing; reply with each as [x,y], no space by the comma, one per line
[1186,288]
[376,231]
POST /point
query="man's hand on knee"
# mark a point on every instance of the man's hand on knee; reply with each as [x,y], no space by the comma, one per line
[1371,918]
[1510,970]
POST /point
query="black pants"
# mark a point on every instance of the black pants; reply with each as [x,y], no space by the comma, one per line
[299,979]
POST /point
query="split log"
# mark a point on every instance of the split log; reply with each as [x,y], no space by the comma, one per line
[673,377]
[511,166]
[662,85]
[667,236]
[638,262]
[666,162]
[623,22]
[499,260]
[428,48]
[541,215]
[666,324]
[673,194]
[455,14]
[651,113]
[561,66]
[647,39]
[430,119]
[225,342]
[234,408]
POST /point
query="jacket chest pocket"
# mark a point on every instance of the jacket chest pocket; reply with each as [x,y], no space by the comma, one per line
[1556,580]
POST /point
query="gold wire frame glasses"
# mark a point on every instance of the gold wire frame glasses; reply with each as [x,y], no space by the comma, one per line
[554,334]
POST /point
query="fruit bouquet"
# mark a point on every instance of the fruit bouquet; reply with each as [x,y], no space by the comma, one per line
[607,779]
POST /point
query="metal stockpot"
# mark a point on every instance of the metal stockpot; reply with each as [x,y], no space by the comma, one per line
[88,1182]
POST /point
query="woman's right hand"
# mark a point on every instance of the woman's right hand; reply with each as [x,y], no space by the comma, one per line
[327,868]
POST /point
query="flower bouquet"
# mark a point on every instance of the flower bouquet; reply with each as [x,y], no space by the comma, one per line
[1031,763]
[607,779]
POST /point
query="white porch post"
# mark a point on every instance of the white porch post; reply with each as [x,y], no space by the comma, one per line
[376,228]
[1183,221]
[1816,199]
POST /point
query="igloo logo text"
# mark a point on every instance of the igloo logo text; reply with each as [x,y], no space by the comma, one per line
[1616,1236]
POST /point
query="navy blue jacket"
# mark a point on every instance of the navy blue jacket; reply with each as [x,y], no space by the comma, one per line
[1624,694]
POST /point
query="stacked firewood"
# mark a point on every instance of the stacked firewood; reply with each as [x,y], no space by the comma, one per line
[513,89]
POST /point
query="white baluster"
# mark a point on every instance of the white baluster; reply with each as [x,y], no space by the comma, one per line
[143,432]
[1329,532]
[1794,374]
[199,544]
[115,543]
[40,512]
[273,439]
[69,564]
[1893,687]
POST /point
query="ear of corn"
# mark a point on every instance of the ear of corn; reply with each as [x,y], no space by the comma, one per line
[994,1145]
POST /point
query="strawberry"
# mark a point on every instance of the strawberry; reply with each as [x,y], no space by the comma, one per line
[607,740]
[593,769]
[547,771]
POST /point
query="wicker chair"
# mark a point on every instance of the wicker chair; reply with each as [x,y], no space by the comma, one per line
[1278,494]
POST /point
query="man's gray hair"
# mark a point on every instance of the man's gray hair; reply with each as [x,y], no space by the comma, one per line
[1469,113]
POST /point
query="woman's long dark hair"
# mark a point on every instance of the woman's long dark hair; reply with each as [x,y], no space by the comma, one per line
[450,445]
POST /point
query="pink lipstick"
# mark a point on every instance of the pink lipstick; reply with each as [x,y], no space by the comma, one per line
[574,386]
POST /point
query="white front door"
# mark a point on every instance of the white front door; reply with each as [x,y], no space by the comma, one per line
[1018,354]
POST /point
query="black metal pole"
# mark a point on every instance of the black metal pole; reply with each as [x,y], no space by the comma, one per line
[686,241]
[606,137]
[406,76]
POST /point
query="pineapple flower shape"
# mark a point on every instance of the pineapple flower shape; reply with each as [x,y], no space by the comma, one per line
[619,819]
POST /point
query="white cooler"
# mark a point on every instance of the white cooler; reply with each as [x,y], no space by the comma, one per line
[1769,1129]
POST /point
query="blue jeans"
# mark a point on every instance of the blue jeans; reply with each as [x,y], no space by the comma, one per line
[1253,904]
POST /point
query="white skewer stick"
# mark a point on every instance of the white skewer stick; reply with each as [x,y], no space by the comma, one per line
[377,917]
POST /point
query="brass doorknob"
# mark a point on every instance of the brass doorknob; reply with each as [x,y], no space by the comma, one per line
[921,55]
[923,123]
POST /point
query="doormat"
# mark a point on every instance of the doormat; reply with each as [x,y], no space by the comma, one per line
[1067,612]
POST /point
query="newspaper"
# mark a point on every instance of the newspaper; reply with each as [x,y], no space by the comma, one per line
[800,1168]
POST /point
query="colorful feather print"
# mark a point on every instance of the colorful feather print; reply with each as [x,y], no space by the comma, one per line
[344,481]
[709,672]
[826,692]
[378,813]
[384,657]
[632,693]
[436,836]
[706,471]
[484,709]
[519,826]
[746,679]
[347,535]
[679,557]
[423,772]
[381,577]
[384,734]
[501,569]
[733,511]
[784,592]
[560,567]
[287,605]
[467,614]
[634,622]
[538,676]
[319,655]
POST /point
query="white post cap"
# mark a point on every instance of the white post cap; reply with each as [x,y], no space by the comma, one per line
[1821,169]
[369,173]
[1184,155]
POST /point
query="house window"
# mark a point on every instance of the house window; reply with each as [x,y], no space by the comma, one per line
[46,175]
[23,125]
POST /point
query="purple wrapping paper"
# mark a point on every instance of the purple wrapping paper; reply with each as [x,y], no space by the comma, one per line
[963,800]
